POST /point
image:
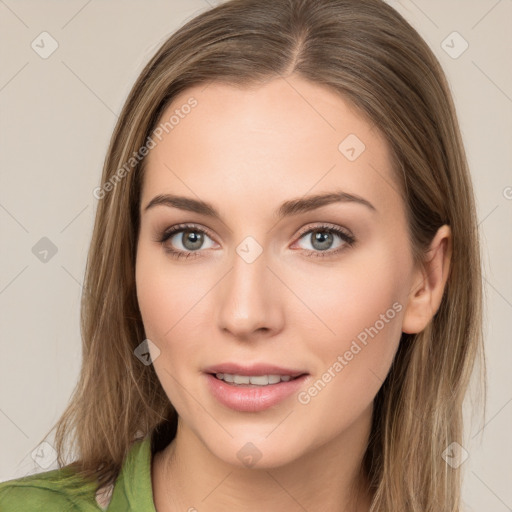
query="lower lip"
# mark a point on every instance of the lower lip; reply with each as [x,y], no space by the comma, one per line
[251,398]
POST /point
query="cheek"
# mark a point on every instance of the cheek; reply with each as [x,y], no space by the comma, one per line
[353,296]
[166,301]
[164,296]
[173,303]
[361,310]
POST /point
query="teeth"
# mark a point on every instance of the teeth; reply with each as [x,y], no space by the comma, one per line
[241,379]
[257,380]
[260,380]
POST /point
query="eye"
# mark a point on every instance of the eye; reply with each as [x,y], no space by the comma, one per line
[183,240]
[322,238]
[186,240]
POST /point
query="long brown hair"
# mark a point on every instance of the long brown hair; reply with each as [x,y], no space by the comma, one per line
[365,51]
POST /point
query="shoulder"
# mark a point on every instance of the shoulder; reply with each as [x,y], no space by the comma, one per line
[56,490]
[61,490]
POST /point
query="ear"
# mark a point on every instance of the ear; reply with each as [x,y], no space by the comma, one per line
[428,283]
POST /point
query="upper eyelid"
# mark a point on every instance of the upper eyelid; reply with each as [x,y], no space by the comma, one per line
[323,225]
[177,228]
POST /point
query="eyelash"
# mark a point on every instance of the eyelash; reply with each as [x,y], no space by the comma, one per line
[168,233]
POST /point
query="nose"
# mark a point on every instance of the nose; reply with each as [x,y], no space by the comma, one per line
[249,300]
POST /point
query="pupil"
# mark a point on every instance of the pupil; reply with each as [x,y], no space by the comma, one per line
[324,238]
[192,239]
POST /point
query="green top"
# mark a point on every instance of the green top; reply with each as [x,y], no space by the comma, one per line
[48,492]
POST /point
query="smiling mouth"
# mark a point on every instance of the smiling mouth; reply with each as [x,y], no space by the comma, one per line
[253,393]
[253,380]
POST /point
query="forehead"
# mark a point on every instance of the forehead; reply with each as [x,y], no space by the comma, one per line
[285,138]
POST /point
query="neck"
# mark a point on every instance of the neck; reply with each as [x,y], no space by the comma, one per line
[328,477]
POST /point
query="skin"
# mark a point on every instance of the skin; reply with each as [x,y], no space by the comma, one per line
[245,151]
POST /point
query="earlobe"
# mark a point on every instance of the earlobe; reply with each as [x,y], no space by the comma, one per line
[429,283]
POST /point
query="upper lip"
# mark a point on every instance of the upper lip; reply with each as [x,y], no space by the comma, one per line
[254,369]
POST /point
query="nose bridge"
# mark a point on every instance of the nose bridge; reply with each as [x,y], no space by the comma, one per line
[250,296]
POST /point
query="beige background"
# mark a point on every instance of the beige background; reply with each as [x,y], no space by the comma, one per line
[57,115]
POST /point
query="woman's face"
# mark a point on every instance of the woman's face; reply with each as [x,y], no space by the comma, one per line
[270,280]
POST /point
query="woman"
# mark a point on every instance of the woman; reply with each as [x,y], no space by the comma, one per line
[282,304]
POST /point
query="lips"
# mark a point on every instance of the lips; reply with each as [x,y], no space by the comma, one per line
[230,384]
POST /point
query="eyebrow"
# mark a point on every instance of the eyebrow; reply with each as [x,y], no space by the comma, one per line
[288,208]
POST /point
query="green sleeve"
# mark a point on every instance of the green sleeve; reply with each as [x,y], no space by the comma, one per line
[43,493]
[61,490]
